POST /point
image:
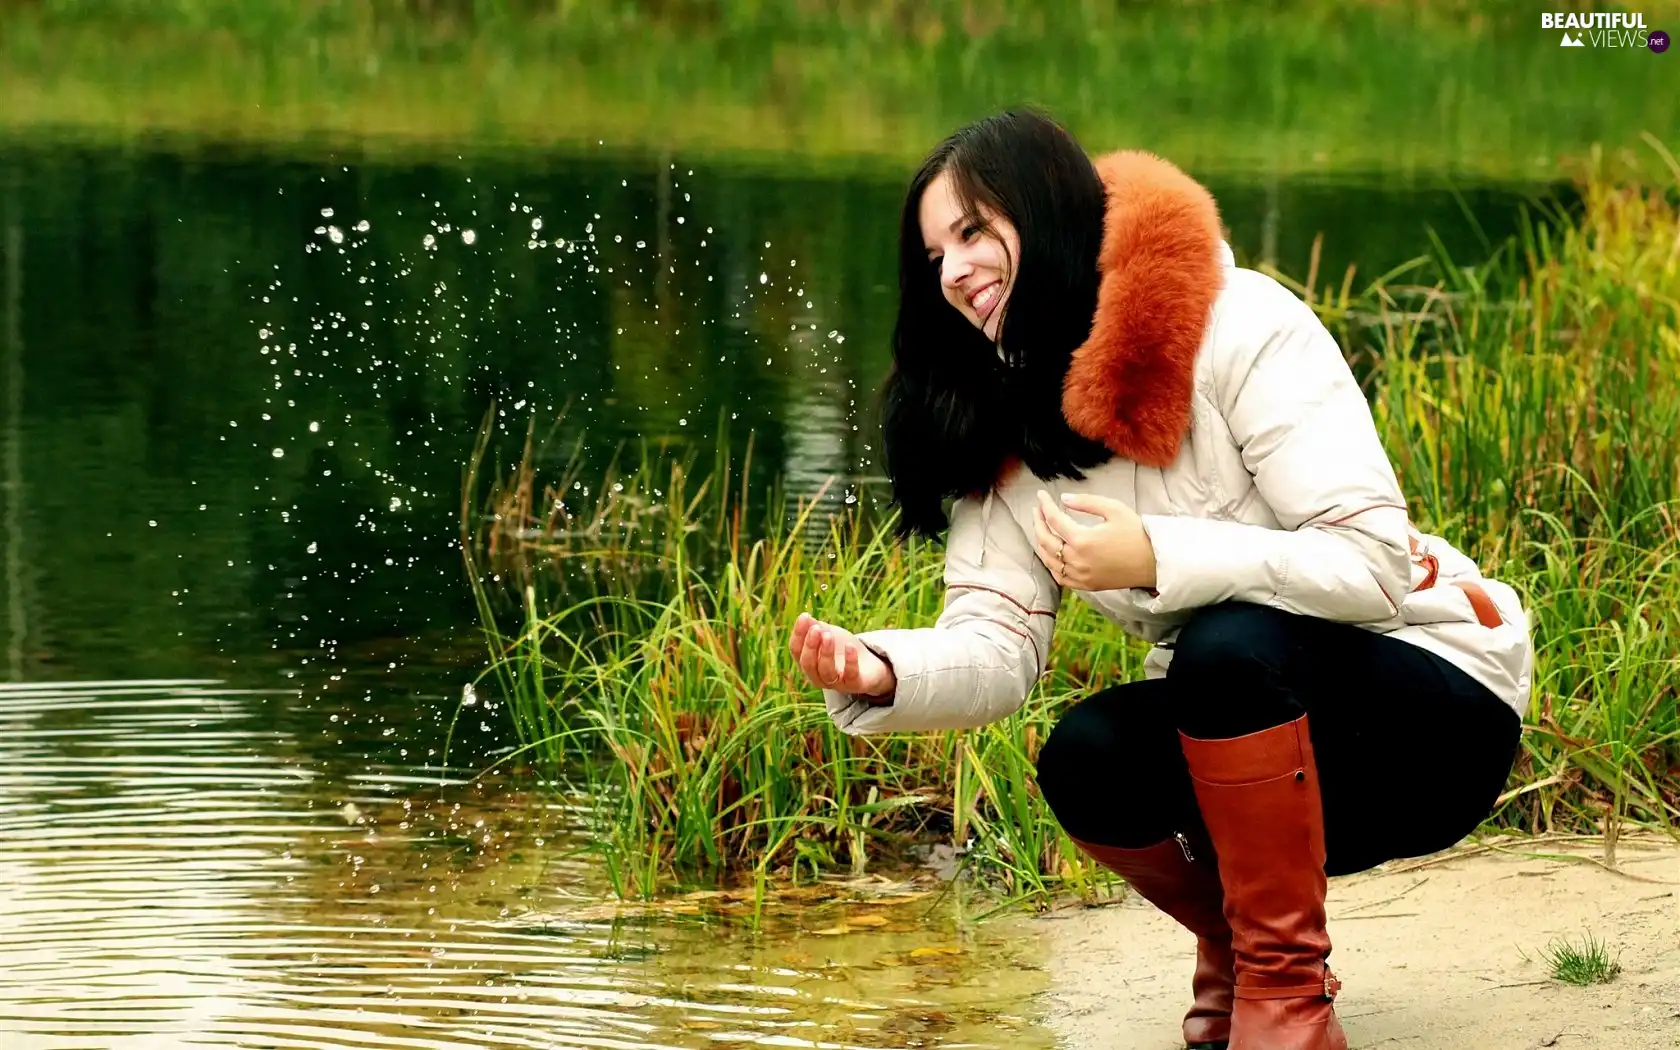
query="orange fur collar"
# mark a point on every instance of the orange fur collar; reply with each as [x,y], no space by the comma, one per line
[1129,385]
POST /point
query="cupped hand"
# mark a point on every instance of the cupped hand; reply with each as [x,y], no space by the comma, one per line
[833,658]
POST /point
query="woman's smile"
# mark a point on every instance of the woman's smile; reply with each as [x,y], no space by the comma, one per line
[974,255]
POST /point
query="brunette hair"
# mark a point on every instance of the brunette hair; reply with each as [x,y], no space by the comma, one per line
[951,411]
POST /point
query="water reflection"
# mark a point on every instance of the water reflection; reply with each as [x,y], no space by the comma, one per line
[173,320]
[174,871]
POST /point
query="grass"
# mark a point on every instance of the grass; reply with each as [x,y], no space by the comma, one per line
[1588,964]
[1530,407]
[640,631]
[843,85]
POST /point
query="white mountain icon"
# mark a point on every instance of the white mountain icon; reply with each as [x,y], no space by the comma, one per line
[1571,41]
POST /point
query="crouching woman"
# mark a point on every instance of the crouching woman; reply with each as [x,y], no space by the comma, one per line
[1119,411]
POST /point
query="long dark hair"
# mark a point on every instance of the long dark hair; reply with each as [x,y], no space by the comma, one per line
[951,411]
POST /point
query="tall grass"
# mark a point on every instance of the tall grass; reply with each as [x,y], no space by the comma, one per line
[1532,409]
[1529,404]
[847,84]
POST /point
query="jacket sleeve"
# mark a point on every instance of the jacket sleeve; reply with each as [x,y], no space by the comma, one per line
[1306,435]
[980,659]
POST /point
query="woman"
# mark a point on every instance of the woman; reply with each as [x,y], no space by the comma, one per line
[1117,409]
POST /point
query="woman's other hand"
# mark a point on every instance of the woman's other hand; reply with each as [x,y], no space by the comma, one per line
[1114,553]
[833,658]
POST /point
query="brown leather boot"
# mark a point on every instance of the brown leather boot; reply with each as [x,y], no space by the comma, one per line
[1179,876]
[1259,798]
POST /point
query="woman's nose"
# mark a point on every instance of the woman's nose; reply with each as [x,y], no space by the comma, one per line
[954,269]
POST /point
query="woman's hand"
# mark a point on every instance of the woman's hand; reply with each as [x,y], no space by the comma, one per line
[1110,555]
[833,658]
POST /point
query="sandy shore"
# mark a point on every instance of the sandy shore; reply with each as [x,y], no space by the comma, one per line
[1431,954]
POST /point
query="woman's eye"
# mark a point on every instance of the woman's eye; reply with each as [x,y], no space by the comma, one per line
[968,230]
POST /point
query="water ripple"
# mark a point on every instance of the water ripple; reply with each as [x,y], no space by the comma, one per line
[177,870]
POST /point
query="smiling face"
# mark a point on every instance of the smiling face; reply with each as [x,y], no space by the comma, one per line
[973,258]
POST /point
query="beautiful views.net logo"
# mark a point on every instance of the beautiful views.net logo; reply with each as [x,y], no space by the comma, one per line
[1605,29]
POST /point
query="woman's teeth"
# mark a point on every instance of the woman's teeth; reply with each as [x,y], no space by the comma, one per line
[983,302]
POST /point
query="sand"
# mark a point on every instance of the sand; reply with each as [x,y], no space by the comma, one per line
[1431,954]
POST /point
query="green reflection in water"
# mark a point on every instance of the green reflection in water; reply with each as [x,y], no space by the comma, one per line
[178,319]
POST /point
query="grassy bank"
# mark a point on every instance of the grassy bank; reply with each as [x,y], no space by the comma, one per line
[865,84]
[1529,404]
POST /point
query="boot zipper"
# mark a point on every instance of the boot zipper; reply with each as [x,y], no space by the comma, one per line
[1184,844]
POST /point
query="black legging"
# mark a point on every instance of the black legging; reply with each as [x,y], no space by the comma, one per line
[1411,751]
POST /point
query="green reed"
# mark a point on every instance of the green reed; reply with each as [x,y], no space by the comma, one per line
[1531,408]
[661,683]
[1529,405]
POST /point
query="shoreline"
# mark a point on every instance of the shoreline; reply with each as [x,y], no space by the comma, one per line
[1435,953]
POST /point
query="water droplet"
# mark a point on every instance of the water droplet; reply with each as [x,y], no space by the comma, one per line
[279,453]
[468,236]
[311,549]
[763,278]
[314,427]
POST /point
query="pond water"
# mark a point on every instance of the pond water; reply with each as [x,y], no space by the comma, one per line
[239,392]
[183,863]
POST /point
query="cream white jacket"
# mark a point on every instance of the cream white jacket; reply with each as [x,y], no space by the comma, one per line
[1253,461]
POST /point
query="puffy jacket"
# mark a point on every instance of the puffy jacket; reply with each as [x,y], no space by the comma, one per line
[1246,446]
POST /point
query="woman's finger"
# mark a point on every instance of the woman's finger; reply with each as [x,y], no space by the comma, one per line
[1041,535]
[813,655]
[1056,518]
[825,658]
[1049,544]
[850,675]
[808,654]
